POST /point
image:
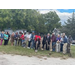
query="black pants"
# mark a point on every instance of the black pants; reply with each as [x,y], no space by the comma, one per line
[29,42]
[68,48]
[19,42]
[47,45]
[37,45]
[5,42]
[61,47]
[43,45]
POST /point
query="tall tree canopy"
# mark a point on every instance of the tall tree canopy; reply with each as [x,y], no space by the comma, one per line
[29,19]
[69,27]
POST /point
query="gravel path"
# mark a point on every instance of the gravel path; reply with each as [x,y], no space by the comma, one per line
[7,59]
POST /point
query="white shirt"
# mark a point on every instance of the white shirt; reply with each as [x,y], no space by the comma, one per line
[29,37]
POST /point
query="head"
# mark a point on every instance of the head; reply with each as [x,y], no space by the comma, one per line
[69,36]
[58,35]
[5,32]
[28,32]
[2,32]
[45,35]
[53,34]
[63,34]
[13,33]
[48,34]
[16,33]
[33,33]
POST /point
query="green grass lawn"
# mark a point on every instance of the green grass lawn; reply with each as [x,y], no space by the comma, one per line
[29,52]
[18,50]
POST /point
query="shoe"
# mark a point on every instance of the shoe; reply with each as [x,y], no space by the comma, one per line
[36,50]
[41,49]
[28,47]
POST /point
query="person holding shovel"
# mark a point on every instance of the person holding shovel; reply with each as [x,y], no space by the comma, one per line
[48,40]
[58,43]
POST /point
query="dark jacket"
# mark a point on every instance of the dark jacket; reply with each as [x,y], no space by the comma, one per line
[53,38]
[48,39]
[44,40]
[16,37]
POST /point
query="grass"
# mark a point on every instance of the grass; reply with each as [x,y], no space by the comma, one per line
[29,52]
[18,50]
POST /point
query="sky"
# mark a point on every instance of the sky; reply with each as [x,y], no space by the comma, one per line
[63,14]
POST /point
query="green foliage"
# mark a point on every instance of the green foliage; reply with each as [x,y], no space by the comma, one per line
[69,27]
[29,19]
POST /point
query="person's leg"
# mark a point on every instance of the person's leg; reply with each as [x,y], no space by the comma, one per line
[50,46]
[14,42]
[32,44]
[29,43]
[46,45]
[35,45]
[53,46]
[68,48]
[59,47]
[4,42]
[65,48]
[56,47]
[1,41]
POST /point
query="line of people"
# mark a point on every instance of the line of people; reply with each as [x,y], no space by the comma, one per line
[33,41]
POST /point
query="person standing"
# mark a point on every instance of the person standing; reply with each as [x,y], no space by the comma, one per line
[19,39]
[29,40]
[2,37]
[58,43]
[53,40]
[5,38]
[44,42]
[32,39]
[8,37]
[69,41]
[22,37]
[48,40]
[16,38]
[65,44]
[61,44]
[12,39]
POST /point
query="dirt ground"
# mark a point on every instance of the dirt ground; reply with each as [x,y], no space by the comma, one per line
[9,59]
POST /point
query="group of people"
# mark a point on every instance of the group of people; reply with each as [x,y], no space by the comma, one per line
[60,43]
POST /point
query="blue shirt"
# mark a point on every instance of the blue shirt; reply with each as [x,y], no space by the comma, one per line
[2,35]
[65,40]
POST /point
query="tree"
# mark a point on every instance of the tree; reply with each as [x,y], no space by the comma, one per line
[69,27]
[52,21]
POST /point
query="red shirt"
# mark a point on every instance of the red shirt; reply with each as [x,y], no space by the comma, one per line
[22,37]
[36,36]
